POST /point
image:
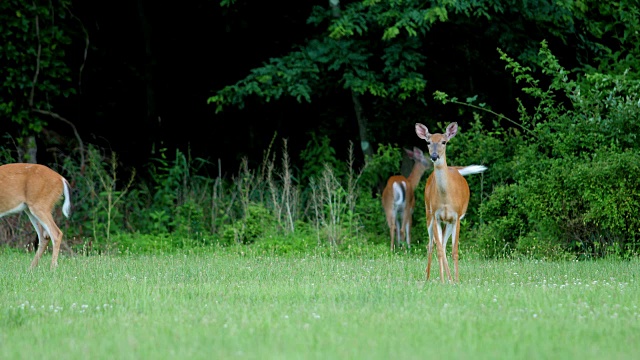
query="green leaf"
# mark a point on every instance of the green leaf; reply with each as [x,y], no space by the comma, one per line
[390,33]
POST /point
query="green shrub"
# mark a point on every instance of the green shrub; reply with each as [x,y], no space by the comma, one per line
[384,163]
[257,222]
[505,222]
[594,202]
[318,153]
[587,206]
[303,241]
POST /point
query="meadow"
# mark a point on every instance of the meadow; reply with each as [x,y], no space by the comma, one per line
[231,304]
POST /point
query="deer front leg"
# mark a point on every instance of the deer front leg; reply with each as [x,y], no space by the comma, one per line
[437,234]
[430,247]
[442,253]
[450,230]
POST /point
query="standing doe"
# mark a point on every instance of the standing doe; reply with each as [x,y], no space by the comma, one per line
[35,189]
[398,198]
[446,197]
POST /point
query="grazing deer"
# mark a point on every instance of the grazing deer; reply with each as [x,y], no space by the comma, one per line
[35,189]
[398,199]
[446,197]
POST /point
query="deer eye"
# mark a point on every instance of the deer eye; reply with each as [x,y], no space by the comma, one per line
[428,142]
[444,143]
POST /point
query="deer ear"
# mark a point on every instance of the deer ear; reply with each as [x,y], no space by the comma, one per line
[409,153]
[418,152]
[422,131]
[452,130]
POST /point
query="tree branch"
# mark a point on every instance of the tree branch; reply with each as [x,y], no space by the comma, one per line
[75,131]
[500,116]
[86,47]
[38,54]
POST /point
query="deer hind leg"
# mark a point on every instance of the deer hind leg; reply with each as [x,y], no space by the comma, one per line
[406,221]
[454,245]
[407,232]
[391,221]
[399,232]
[442,253]
[45,219]
[43,240]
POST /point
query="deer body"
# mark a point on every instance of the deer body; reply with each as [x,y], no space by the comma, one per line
[446,197]
[398,199]
[35,189]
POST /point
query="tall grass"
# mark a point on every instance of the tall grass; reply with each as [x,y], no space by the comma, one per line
[231,304]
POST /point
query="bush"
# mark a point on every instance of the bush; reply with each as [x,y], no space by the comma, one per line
[588,207]
[257,222]
[569,185]
[505,222]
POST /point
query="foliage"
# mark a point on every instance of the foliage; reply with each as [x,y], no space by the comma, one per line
[34,74]
[331,208]
[617,27]
[505,222]
[371,216]
[316,154]
[176,196]
[353,35]
[592,207]
[384,163]
[561,179]
[392,52]
[343,56]
[97,195]
[256,223]
[575,177]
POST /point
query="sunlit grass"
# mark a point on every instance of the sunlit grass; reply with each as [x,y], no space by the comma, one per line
[225,305]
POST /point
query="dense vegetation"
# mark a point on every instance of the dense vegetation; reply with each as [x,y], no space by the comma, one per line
[559,137]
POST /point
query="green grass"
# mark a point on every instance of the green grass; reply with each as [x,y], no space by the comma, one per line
[224,305]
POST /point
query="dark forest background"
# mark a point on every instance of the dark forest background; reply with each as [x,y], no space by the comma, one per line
[227,81]
[141,72]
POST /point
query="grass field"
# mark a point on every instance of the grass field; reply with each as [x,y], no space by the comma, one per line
[224,305]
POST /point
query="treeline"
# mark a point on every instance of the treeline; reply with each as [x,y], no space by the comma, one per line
[562,183]
[563,165]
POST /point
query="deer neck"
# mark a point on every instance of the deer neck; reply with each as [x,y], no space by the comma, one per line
[416,174]
[441,171]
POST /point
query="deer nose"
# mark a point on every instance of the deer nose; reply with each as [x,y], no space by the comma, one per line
[434,156]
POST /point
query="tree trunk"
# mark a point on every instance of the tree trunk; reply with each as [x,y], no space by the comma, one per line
[152,118]
[363,126]
[27,150]
[363,123]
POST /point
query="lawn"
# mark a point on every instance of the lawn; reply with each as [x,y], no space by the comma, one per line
[223,304]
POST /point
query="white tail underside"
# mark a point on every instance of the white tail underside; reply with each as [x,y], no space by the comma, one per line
[472,169]
[66,207]
[399,193]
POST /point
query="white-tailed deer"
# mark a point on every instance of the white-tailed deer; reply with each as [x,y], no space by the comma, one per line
[446,197]
[398,199]
[35,189]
